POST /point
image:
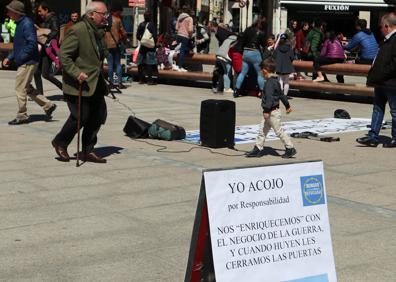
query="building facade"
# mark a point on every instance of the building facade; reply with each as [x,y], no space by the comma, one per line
[340,16]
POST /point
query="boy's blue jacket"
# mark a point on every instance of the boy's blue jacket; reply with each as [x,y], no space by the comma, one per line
[25,50]
[367,43]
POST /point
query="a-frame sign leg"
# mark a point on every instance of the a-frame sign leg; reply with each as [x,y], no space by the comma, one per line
[200,261]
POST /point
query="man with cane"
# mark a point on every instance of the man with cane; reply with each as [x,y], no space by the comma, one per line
[82,53]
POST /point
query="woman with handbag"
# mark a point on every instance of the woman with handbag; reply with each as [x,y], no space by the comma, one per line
[147,59]
[114,36]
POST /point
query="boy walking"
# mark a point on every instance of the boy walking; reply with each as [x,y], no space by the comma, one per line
[271,112]
[25,54]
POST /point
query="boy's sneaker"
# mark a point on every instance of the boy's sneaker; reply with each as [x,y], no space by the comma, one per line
[255,153]
[182,69]
[16,121]
[215,90]
[175,67]
[290,152]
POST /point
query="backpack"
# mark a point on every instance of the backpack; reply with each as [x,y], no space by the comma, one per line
[164,130]
[147,39]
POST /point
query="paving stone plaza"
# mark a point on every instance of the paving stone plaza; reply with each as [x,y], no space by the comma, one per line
[132,218]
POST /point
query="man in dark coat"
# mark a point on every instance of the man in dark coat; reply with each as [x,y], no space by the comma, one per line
[82,53]
[382,76]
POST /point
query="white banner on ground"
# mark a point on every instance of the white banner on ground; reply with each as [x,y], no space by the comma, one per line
[270,224]
[248,133]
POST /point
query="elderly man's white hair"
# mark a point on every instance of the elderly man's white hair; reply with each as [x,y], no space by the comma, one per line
[93,6]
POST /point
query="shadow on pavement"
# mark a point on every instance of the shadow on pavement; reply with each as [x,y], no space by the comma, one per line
[271,151]
[108,150]
[42,117]
[58,97]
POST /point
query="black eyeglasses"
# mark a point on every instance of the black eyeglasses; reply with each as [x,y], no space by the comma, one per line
[104,14]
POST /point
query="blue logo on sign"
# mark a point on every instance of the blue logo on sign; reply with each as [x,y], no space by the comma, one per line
[312,190]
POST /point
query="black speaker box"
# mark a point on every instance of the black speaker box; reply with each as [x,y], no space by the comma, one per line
[217,123]
[136,128]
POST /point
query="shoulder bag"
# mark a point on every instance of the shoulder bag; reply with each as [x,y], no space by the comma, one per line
[147,39]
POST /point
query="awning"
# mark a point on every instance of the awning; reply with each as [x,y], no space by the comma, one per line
[361,3]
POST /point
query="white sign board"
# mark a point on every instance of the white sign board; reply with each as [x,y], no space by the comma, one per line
[270,224]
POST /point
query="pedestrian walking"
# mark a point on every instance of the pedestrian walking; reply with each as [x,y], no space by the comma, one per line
[25,54]
[82,53]
[49,20]
[272,113]
[382,76]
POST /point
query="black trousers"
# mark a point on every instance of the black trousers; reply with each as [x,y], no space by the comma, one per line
[218,75]
[321,61]
[44,69]
[364,61]
[93,115]
[143,70]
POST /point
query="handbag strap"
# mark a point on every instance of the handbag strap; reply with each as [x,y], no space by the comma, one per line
[146,27]
[112,36]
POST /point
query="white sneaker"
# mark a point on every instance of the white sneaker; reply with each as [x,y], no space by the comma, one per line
[228,91]
[182,70]
[175,67]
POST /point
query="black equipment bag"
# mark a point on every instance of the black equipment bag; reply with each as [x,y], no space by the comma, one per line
[136,128]
[164,130]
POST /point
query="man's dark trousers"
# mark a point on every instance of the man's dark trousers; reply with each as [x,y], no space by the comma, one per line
[93,115]
[381,96]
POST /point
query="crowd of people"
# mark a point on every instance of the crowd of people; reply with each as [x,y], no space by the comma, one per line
[265,61]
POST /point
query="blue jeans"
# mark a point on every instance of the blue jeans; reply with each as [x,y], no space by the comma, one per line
[183,48]
[114,59]
[381,96]
[251,58]
[226,76]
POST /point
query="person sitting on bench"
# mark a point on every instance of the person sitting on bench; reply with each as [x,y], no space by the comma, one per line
[331,53]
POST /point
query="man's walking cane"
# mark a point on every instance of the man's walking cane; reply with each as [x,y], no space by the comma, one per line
[78,124]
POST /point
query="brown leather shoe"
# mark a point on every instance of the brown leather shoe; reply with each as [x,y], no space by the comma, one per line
[62,152]
[94,158]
